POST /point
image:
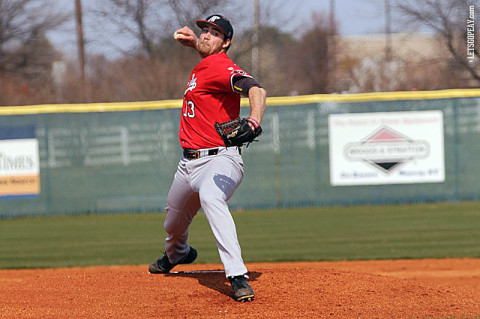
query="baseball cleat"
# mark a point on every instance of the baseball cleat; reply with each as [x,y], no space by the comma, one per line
[163,265]
[241,288]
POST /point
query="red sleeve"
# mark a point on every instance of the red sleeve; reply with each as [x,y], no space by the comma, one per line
[222,74]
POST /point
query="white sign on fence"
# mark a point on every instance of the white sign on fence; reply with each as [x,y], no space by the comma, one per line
[386,148]
[19,162]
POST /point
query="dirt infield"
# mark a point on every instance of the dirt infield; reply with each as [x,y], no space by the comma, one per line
[362,289]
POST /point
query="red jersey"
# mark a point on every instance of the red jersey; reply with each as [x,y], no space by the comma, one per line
[209,98]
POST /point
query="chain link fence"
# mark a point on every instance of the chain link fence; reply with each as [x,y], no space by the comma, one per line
[122,157]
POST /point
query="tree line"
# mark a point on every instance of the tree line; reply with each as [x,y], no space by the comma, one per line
[307,60]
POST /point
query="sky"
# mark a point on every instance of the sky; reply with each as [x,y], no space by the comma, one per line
[354,17]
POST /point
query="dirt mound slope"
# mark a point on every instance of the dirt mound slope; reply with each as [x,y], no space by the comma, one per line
[354,289]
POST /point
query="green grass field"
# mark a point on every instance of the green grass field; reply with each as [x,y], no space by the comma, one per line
[329,233]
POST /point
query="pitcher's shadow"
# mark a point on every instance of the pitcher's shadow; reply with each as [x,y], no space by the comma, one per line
[214,279]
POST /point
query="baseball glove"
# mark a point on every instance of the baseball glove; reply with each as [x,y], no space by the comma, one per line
[238,131]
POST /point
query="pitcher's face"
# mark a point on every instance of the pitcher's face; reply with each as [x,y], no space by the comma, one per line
[211,41]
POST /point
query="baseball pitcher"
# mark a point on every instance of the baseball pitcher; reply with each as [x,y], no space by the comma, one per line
[211,135]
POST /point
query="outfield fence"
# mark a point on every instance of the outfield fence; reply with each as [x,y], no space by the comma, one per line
[316,150]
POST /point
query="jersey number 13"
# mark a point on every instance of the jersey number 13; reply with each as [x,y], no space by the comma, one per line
[189,109]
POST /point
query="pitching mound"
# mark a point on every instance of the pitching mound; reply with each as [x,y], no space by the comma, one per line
[365,289]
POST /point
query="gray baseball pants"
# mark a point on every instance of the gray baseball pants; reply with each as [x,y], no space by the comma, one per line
[207,182]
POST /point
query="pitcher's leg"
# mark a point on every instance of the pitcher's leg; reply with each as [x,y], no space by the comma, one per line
[217,186]
[182,205]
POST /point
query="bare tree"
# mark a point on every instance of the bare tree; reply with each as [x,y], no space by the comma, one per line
[26,55]
[155,66]
[33,59]
[128,21]
[275,53]
[21,21]
[146,23]
[310,57]
[187,11]
[454,21]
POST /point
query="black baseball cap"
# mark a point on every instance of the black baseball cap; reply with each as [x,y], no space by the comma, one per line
[220,22]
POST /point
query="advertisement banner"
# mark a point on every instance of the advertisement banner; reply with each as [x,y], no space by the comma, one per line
[386,148]
[19,162]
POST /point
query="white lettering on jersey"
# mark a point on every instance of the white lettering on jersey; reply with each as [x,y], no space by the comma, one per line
[236,72]
[191,84]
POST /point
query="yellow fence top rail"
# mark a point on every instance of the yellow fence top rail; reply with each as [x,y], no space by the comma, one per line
[377,96]
[271,101]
